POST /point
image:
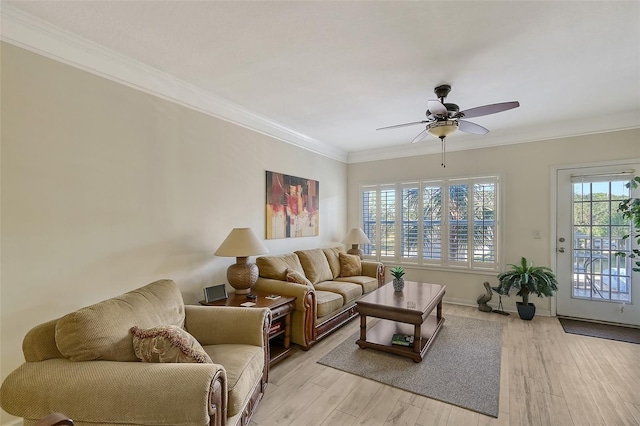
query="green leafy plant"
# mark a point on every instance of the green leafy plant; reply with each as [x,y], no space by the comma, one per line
[528,279]
[397,272]
[630,209]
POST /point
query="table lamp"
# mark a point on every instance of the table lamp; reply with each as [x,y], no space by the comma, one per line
[241,243]
[355,237]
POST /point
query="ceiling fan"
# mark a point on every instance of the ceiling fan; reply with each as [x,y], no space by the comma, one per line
[445,118]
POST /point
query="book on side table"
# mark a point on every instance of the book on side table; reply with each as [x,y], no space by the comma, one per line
[402,339]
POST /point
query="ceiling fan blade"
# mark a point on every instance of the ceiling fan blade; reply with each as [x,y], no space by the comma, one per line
[420,136]
[403,125]
[437,108]
[469,127]
[488,109]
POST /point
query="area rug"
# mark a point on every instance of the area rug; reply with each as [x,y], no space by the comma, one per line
[603,331]
[462,366]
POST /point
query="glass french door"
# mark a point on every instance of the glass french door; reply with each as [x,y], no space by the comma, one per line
[594,282]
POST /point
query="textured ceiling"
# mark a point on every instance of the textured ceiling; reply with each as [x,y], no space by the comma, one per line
[336,71]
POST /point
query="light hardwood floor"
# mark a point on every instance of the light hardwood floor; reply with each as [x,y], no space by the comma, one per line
[547,378]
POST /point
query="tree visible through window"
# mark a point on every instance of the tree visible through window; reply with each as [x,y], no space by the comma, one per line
[447,223]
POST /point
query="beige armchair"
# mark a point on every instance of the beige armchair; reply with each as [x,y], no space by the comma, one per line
[84,365]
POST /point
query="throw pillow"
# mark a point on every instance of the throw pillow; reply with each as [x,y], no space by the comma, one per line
[350,265]
[167,343]
[294,276]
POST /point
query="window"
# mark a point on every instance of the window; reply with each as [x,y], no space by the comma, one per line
[449,223]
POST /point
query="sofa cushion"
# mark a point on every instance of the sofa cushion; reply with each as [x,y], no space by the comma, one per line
[294,276]
[275,266]
[167,343]
[350,265]
[332,254]
[315,265]
[348,291]
[243,365]
[367,283]
[101,331]
[327,302]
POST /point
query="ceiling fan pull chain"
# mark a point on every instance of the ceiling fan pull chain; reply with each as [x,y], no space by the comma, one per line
[443,152]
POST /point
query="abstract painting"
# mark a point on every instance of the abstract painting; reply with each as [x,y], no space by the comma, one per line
[292,206]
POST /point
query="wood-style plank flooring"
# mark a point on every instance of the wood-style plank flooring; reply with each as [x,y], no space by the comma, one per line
[547,378]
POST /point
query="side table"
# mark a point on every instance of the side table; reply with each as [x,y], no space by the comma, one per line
[281,309]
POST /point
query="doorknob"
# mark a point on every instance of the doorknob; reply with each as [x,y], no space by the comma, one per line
[561,249]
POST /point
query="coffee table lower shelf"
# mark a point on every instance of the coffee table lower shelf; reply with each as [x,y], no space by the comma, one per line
[379,337]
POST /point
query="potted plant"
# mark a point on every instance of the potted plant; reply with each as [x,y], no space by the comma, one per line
[630,209]
[528,279]
[398,281]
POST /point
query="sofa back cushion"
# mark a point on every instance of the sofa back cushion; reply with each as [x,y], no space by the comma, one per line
[315,264]
[332,254]
[101,331]
[275,267]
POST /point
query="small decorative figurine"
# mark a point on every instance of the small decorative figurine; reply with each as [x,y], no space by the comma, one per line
[483,299]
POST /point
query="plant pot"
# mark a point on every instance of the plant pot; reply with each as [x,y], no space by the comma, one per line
[398,284]
[526,312]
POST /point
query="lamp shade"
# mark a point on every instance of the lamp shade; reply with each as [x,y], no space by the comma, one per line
[241,242]
[356,236]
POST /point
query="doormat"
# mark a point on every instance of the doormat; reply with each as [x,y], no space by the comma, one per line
[603,331]
[461,367]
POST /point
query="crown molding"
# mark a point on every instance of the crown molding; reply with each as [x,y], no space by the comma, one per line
[28,32]
[432,145]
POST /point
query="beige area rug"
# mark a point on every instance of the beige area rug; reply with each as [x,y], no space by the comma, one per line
[462,366]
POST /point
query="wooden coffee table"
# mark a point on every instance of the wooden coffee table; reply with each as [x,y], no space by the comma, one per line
[402,312]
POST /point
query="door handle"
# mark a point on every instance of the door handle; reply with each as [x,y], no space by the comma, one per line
[561,249]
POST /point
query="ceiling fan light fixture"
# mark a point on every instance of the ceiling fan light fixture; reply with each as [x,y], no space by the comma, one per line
[442,128]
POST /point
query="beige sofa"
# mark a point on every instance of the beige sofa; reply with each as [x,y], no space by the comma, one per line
[327,292]
[85,364]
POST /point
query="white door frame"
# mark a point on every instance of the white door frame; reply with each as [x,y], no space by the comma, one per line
[554,208]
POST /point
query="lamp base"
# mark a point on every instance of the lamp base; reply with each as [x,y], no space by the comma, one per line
[355,250]
[242,275]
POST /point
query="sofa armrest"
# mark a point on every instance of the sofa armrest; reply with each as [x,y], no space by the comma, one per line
[301,292]
[303,330]
[118,392]
[40,342]
[213,325]
[374,269]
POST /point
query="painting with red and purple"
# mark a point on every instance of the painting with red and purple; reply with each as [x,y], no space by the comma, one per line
[292,206]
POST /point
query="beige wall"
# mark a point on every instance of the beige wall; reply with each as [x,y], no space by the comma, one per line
[105,189]
[526,169]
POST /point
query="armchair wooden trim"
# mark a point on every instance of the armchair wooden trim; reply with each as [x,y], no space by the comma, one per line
[55,419]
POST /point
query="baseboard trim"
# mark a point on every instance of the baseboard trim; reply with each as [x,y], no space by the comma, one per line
[465,302]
